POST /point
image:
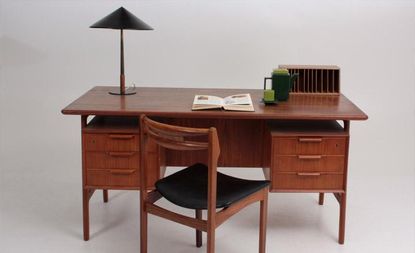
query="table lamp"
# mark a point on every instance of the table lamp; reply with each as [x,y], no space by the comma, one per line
[123,20]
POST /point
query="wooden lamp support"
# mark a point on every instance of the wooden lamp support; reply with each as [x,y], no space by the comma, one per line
[122,76]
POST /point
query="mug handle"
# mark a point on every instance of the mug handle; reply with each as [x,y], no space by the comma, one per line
[265,81]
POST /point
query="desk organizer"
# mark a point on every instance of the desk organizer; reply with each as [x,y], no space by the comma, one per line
[315,79]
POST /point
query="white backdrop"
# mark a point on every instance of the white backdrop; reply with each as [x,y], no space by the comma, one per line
[49,57]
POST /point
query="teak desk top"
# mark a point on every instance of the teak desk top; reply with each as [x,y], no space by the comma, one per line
[177,102]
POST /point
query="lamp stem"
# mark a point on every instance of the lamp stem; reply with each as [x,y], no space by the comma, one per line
[122,77]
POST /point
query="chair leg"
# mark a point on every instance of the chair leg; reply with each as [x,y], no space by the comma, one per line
[263,222]
[342,218]
[198,232]
[85,213]
[321,198]
[143,228]
[210,240]
[105,195]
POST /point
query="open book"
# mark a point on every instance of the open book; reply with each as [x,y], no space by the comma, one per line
[238,102]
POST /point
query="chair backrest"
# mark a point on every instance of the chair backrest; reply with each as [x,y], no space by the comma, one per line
[174,137]
[177,138]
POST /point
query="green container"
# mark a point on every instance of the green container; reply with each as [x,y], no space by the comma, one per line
[269,95]
[281,84]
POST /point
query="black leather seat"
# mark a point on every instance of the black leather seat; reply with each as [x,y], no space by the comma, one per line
[189,188]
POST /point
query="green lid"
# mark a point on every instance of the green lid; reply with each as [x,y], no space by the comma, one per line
[280,72]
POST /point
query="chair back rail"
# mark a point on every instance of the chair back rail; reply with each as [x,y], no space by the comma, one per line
[180,138]
[175,137]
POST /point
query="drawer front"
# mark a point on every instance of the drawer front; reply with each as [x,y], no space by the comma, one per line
[307,181]
[308,163]
[113,177]
[112,160]
[106,172]
[111,142]
[309,145]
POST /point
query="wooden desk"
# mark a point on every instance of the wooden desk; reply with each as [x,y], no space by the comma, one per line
[298,143]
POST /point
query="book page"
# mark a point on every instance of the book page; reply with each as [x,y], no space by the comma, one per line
[244,108]
[207,100]
[238,99]
[239,102]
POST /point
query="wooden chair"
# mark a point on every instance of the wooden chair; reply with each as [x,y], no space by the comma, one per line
[199,187]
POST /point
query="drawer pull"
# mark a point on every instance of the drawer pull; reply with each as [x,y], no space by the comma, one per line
[309,157]
[308,174]
[121,172]
[310,139]
[120,154]
[121,136]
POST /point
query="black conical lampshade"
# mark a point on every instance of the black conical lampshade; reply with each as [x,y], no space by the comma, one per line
[121,19]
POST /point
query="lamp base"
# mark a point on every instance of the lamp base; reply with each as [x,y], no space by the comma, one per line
[121,94]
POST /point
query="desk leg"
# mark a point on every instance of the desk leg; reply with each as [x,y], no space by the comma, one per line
[342,218]
[85,209]
[86,193]
[321,198]
[105,195]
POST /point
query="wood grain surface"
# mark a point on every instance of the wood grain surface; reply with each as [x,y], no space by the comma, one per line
[177,102]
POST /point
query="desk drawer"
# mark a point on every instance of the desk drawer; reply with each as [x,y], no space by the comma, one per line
[111,142]
[312,145]
[307,181]
[308,163]
[112,160]
[113,177]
